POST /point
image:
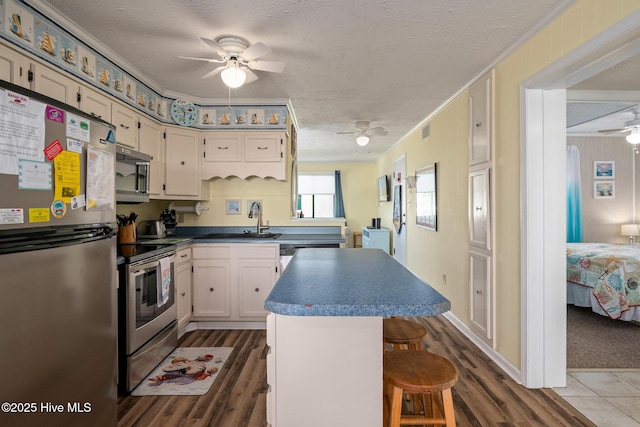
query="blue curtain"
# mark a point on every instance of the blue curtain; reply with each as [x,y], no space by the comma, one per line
[574,196]
[338,206]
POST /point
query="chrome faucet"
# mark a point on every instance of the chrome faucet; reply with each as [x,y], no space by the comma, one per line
[256,208]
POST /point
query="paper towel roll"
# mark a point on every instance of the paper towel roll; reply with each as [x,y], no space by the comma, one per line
[194,209]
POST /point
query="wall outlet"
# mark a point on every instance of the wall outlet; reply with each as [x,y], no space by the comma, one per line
[444,278]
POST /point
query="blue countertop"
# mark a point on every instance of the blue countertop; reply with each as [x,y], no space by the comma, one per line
[352,282]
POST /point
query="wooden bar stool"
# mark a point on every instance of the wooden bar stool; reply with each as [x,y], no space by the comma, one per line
[402,334]
[424,373]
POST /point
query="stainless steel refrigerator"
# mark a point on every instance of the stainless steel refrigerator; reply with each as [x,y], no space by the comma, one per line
[58,345]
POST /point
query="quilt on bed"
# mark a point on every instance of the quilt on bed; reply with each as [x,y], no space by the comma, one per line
[613,271]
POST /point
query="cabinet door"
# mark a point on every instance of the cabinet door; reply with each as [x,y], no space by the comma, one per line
[222,146]
[151,143]
[54,85]
[263,146]
[183,286]
[94,103]
[182,160]
[481,113]
[479,206]
[211,288]
[481,296]
[13,67]
[126,122]
[255,280]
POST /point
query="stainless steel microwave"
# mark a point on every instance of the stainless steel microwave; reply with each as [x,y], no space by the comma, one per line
[132,175]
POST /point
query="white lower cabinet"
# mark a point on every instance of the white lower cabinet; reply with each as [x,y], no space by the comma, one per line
[183,287]
[232,281]
[211,281]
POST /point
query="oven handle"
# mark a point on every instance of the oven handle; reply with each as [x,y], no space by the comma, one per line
[137,270]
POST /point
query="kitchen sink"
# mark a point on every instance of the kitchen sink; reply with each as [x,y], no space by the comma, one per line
[239,236]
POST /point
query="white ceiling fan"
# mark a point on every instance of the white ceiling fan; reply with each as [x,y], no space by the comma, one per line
[630,126]
[239,59]
[363,132]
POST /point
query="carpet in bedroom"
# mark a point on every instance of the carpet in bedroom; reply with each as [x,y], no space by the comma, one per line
[595,341]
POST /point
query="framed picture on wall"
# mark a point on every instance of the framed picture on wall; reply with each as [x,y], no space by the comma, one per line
[604,190]
[604,169]
[233,207]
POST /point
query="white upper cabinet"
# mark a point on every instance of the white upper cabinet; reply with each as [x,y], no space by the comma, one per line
[244,153]
[126,122]
[94,103]
[55,85]
[182,166]
[14,68]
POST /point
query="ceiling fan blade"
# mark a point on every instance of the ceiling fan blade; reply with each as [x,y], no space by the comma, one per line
[214,72]
[215,46]
[251,76]
[607,131]
[270,66]
[255,51]
[345,133]
[378,130]
[201,59]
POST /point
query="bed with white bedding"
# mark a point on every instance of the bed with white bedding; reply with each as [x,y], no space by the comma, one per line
[605,277]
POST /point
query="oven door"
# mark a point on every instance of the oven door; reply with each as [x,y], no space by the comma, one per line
[150,305]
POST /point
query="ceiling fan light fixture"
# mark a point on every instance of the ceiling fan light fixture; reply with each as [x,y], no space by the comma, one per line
[233,76]
[634,136]
[362,140]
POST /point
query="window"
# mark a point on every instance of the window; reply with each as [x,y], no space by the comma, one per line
[316,195]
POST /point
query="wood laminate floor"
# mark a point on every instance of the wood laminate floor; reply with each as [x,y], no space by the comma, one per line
[483,396]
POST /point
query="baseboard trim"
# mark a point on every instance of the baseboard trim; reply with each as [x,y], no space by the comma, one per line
[496,357]
[192,326]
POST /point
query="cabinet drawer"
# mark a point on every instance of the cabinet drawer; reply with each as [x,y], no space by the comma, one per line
[211,252]
[257,252]
[183,255]
[263,147]
[223,147]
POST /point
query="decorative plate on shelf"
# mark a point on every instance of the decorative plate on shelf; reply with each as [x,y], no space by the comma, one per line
[184,112]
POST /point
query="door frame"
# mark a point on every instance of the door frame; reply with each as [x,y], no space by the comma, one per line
[543,165]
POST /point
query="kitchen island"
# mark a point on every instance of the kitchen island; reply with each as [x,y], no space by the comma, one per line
[324,331]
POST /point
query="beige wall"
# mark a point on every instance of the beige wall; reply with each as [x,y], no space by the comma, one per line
[430,253]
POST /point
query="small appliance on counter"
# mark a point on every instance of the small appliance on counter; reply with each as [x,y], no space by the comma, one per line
[151,230]
[168,218]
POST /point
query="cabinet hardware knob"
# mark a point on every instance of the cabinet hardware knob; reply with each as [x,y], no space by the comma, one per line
[183,294]
[478,124]
[479,292]
[183,256]
[263,148]
[257,289]
[211,289]
[223,148]
[478,208]
[123,126]
[182,163]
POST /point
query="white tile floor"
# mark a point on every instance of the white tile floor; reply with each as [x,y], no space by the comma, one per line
[606,398]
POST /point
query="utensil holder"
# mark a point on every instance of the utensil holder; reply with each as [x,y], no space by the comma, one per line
[127,233]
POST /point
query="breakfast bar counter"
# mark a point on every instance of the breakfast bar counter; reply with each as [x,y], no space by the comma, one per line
[325,334]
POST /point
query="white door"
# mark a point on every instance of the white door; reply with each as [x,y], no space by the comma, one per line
[399,196]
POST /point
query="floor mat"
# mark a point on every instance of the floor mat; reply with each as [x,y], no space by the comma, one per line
[186,371]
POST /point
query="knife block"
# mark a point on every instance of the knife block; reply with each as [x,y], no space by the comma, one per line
[127,233]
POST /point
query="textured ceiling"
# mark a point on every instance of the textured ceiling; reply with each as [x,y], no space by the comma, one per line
[389,62]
